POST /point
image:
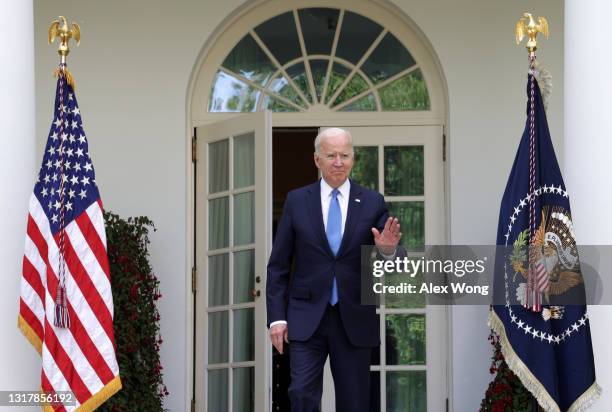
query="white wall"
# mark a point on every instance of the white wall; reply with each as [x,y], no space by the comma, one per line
[132,71]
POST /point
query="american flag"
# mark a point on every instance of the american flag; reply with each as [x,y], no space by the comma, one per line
[79,358]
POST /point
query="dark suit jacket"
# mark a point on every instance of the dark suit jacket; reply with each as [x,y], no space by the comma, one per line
[301,235]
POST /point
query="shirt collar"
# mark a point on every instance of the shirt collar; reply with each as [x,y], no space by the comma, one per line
[344,189]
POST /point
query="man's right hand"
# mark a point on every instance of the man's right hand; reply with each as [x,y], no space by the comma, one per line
[278,335]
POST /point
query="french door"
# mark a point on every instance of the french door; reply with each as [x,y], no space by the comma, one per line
[233,236]
[404,163]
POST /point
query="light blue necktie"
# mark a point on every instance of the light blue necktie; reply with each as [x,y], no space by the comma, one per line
[334,236]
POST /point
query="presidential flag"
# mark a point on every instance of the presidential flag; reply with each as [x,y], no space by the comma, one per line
[546,344]
[66,304]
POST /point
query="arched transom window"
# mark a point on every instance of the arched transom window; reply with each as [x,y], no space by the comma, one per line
[314,59]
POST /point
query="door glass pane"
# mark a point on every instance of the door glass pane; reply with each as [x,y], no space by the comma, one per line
[405,339]
[218,219]
[244,160]
[217,390]
[407,391]
[250,61]
[356,36]
[388,59]
[244,335]
[409,92]
[280,37]
[218,341]
[411,216]
[404,171]
[218,166]
[244,276]
[365,168]
[318,28]
[404,300]
[232,95]
[244,218]
[244,390]
[218,280]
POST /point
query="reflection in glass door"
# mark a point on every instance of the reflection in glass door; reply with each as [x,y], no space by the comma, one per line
[405,165]
[232,242]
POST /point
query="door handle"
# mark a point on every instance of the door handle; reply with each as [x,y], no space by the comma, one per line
[256,293]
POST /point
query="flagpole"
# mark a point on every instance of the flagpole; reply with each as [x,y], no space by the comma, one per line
[527,26]
[59,29]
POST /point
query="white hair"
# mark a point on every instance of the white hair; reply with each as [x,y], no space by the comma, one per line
[332,131]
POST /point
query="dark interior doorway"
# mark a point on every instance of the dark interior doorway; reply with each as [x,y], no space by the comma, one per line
[292,167]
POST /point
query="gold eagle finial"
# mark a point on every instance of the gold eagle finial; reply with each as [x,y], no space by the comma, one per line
[527,26]
[59,29]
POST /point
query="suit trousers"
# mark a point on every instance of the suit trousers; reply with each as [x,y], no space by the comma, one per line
[350,367]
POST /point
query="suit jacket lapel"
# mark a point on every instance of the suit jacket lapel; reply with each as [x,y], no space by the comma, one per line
[353,212]
[316,215]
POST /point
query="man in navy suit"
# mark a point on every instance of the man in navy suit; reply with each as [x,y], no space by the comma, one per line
[323,227]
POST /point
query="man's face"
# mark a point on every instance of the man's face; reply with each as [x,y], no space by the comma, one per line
[335,159]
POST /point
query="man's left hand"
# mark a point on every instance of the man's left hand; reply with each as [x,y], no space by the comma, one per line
[387,240]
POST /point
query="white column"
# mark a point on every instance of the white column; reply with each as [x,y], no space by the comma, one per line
[19,360]
[588,150]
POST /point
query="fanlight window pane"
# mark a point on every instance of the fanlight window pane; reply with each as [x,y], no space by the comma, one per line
[280,36]
[318,28]
[356,85]
[232,95]
[365,104]
[389,58]
[319,70]
[406,93]
[297,72]
[250,61]
[356,36]
[276,105]
[337,76]
[281,86]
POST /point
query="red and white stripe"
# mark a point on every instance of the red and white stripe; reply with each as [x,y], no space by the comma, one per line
[80,359]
